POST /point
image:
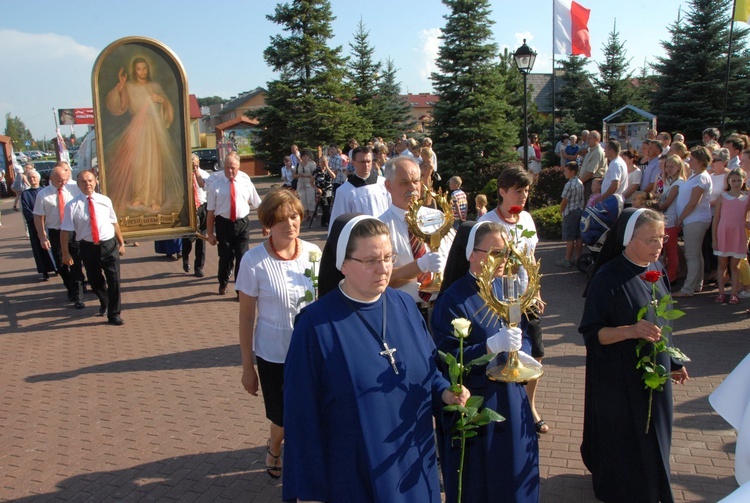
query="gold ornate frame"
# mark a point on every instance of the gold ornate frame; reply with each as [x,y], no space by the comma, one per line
[170,75]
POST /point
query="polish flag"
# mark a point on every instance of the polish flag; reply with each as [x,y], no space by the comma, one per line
[571,28]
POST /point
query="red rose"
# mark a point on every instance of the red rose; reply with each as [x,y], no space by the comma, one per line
[651,276]
[515,210]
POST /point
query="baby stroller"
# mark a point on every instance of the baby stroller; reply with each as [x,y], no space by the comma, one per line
[596,221]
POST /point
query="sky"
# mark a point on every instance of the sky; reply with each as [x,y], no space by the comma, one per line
[48,48]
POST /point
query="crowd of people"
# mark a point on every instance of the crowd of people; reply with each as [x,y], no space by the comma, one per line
[343,342]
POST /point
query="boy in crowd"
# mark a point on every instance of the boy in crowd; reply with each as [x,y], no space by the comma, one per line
[458,201]
[571,208]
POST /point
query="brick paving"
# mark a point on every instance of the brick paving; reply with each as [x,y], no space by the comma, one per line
[154,410]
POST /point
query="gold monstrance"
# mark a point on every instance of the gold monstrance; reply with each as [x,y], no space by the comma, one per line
[510,308]
[419,223]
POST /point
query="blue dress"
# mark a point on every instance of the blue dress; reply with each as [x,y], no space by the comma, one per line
[502,462]
[355,431]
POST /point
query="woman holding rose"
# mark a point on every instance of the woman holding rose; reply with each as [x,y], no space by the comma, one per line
[627,463]
[272,283]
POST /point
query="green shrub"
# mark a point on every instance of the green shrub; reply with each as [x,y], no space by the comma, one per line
[548,189]
[548,222]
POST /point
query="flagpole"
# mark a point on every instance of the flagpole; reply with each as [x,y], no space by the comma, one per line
[554,76]
[729,60]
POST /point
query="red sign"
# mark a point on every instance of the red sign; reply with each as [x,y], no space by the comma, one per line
[71,116]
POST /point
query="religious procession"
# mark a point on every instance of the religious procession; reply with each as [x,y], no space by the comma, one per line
[379,322]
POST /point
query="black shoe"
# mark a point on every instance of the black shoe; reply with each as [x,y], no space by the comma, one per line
[79,304]
[102,311]
[185,265]
[115,320]
[199,272]
[223,290]
[45,277]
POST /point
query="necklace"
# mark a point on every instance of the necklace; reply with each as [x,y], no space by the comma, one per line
[387,352]
[294,255]
[508,219]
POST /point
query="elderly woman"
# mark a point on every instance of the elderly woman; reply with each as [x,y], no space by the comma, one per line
[361,381]
[303,172]
[272,284]
[42,258]
[502,461]
[694,215]
[626,463]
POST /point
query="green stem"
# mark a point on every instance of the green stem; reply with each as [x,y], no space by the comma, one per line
[650,399]
[463,431]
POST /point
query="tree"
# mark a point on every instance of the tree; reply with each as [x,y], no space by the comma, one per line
[211,100]
[364,73]
[19,134]
[391,113]
[614,85]
[472,129]
[577,97]
[690,77]
[310,104]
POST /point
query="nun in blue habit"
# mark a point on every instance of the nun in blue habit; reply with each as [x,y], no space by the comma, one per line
[361,381]
[502,462]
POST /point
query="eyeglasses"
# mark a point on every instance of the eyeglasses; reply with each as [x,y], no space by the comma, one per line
[370,263]
[654,241]
[494,253]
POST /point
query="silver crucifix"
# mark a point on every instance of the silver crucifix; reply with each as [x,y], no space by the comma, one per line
[388,353]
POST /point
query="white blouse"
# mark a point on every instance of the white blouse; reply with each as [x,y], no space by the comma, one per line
[278,286]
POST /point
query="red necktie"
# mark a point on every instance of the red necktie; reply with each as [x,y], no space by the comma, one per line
[418,249]
[232,202]
[195,192]
[92,221]
[61,205]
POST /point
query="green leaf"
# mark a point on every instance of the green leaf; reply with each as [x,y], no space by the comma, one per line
[451,408]
[652,379]
[482,360]
[673,314]
[528,233]
[470,434]
[677,354]
[492,415]
[642,313]
[475,401]
[454,370]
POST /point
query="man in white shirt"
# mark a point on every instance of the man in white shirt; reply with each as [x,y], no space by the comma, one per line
[364,191]
[735,146]
[616,178]
[415,259]
[91,216]
[228,216]
[199,180]
[49,209]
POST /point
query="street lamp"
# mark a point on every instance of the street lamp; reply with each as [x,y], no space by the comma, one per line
[524,58]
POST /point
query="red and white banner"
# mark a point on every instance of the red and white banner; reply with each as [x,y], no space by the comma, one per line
[571,28]
[70,116]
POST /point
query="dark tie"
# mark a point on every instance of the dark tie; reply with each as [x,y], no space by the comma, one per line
[232,201]
[61,205]
[418,249]
[92,221]
[195,191]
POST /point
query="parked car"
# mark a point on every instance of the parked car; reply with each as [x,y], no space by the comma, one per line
[45,170]
[209,158]
[21,157]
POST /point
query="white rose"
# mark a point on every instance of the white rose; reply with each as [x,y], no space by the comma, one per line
[314,256]
[461,327]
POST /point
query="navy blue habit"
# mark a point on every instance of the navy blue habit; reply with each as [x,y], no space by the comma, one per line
[355,431]
[502,462]
[626,464]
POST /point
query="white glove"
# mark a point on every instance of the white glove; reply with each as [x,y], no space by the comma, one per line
[507,339]
[528,361]
[431,262]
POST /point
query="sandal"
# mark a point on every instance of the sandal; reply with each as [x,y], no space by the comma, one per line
[273,471]
[720,298]
[541,426]
[733,299]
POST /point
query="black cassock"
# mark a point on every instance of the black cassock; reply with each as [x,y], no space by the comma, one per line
[626,464]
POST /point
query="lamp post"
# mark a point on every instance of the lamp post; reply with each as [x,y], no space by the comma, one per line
[524,58]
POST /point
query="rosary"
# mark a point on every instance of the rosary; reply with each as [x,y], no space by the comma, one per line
[387,351]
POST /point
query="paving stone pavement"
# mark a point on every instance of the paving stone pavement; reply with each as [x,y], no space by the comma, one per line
[154,410]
